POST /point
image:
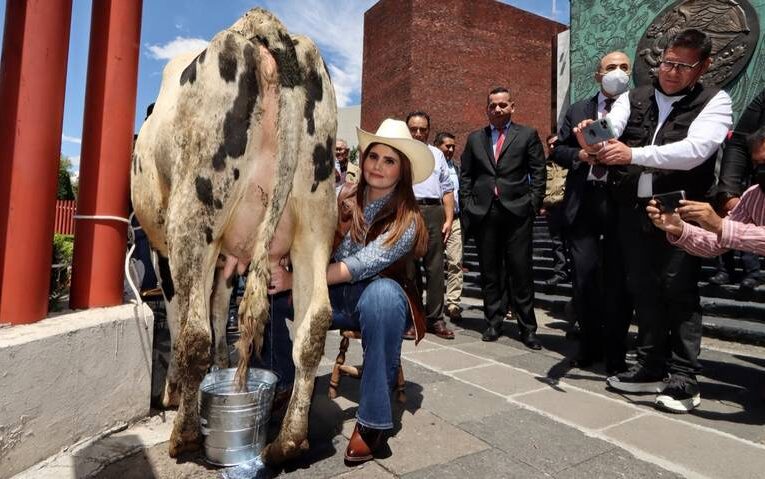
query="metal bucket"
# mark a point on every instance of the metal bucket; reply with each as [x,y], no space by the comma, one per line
[234,424]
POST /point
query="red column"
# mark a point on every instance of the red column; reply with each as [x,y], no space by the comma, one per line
[32,86]
[107,140]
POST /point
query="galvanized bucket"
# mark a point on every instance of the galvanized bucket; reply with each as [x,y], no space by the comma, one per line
[234,423]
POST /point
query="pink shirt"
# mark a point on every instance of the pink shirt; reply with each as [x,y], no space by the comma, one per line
[743,229]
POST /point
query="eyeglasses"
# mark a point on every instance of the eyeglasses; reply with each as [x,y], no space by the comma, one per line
[668,66]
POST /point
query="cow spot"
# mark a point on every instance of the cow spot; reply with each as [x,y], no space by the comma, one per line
[323,162]
[290,75]
[227,59]
[208,234]
[218,203]
[236,174]
[314,89]
[168,288]
[204,190]
[237,121]
[202,56]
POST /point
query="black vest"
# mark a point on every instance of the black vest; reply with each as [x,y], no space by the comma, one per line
[640,128]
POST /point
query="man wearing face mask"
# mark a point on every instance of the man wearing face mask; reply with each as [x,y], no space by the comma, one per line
[589,213]
[743,229]
[669,136]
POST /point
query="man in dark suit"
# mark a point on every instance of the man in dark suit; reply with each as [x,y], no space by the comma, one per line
[502,183]
[590,215]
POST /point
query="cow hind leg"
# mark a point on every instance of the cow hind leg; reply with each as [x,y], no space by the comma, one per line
[313,316]
[192,349]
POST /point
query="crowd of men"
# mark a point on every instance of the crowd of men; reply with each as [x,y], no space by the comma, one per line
[669,136]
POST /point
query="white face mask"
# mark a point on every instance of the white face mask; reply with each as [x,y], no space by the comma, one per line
[615,82]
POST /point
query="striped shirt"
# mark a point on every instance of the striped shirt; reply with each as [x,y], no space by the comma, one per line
[743,229]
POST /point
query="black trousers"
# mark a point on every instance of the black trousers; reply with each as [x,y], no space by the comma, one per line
[749,261]
[560,245]
[433,264]
[601,301]
[663,281]
[504,255]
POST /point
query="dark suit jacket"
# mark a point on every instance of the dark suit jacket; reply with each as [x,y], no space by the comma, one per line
[736,165]
[565,154]
[519,174]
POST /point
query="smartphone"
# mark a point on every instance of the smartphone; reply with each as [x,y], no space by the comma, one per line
[598,131]
[669,202]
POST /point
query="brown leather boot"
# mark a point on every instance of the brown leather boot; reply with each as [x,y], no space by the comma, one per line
[363,443]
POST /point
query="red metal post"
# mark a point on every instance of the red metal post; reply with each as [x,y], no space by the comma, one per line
[107,141]
[32,87]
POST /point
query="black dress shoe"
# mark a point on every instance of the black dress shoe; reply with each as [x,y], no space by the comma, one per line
[491,334]
[555,280]
[748,283]
[531,341]
[720,278]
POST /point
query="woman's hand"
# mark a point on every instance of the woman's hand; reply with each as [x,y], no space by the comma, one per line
[281,279]
[669,222]
[701,213]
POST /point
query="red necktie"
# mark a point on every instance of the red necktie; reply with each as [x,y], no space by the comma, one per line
[497,150]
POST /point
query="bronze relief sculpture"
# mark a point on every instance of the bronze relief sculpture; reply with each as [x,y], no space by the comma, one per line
[732,25]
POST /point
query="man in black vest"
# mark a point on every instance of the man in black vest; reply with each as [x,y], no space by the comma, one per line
[502,183]
[602,304]
[669,136]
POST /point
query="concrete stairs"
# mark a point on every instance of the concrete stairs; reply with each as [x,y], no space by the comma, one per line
[729,312]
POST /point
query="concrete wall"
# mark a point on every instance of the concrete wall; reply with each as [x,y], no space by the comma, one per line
[70,377]
[444,57]
[348,119]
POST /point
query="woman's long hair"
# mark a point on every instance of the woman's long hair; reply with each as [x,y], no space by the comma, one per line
[402,206]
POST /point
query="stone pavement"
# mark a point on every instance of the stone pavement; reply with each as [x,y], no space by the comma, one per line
[495,410]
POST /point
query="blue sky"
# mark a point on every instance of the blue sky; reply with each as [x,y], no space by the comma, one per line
[174,26]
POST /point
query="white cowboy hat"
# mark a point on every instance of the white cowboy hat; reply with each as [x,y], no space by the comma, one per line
[395,134]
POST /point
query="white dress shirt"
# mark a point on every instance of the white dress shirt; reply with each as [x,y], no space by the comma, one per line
[438,183]
[705,134]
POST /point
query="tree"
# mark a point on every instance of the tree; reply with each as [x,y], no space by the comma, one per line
[65,191]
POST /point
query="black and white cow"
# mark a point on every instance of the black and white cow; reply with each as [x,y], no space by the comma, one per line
[234,168]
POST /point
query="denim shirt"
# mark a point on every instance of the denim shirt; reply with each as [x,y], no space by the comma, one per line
[366,261]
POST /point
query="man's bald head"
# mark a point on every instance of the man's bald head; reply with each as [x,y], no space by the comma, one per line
[612,61]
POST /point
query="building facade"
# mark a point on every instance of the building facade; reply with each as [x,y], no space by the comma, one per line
[445,56]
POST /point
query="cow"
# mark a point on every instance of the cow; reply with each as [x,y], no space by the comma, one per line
[234,169]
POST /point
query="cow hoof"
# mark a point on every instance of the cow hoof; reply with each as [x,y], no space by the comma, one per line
[188,442]
[277,453]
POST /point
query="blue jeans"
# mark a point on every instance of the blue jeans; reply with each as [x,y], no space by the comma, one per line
[379,309]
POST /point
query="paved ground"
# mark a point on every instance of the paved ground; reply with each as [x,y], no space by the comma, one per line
[496,410]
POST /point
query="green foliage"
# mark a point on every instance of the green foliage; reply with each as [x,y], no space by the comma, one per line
[60,275]
[63,247]
[65,191]
[353,155]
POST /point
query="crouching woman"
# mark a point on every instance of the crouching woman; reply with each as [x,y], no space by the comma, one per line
[380,230]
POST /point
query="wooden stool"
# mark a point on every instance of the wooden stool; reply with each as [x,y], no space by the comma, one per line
[341,368]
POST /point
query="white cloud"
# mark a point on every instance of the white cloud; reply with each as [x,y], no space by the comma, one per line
[176,47]
[75,164]
[337,27]
[71,139]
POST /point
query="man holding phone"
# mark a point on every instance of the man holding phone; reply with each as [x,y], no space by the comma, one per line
[589,212]
[669,136]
